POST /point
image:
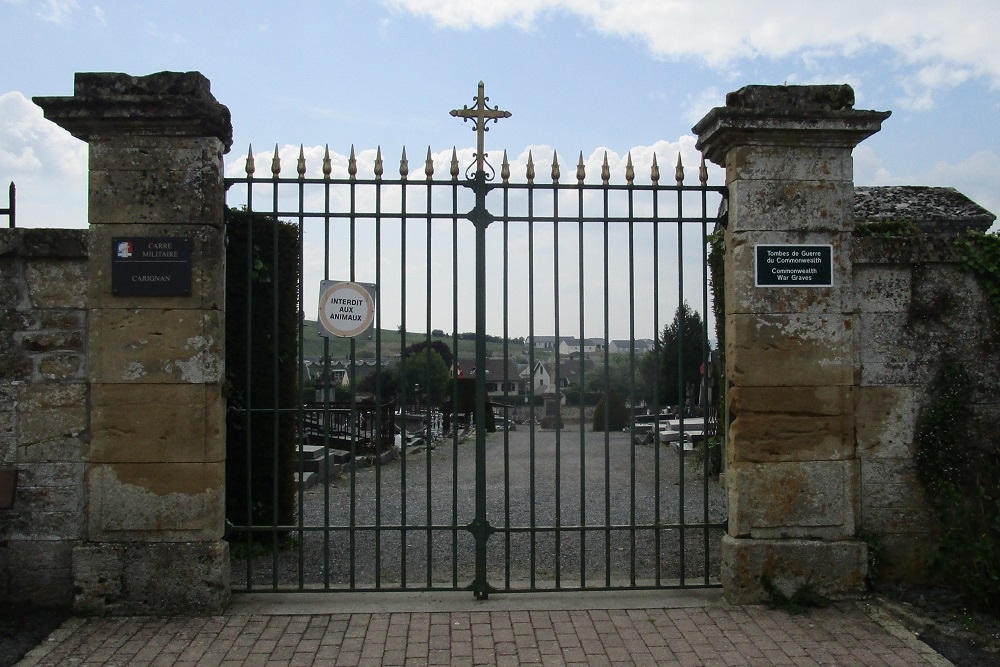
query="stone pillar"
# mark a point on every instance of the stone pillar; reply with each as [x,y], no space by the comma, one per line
[792,474]
[155,483]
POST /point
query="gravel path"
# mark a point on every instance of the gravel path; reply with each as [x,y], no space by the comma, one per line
[604,486]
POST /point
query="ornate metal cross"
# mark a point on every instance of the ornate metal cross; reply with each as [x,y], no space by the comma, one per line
[480,114]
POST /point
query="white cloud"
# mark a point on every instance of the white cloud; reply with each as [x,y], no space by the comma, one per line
[977,176]
[56,11]
[100,15]
[946,41]
[699,104]
[46,163]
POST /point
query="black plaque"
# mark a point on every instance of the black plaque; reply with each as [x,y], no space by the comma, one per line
[794,266]
[151,266]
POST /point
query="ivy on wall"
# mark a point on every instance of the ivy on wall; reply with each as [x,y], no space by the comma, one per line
[980,254]
[961,475]
[885,229]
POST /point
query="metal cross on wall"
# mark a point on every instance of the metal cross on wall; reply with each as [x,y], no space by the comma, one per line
[480,114]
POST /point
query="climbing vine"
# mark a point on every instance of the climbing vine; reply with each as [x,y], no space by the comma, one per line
[885,229]
[980,254]
[961,476]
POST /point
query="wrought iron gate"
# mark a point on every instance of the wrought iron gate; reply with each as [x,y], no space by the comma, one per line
[543,502]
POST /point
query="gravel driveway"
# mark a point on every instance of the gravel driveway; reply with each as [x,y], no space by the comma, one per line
[604,486]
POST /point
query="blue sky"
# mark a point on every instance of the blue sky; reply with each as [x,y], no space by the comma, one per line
[578,75]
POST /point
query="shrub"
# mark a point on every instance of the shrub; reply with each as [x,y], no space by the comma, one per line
[617,413]
[262,281]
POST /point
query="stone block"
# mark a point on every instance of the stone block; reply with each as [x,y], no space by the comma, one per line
[157,423]
[52,413]
[791,207]
[56,283]
[60,366]
[41,572]
[51,474]
[12,289]
[791,423]
[809,499]
[742,296]
[881,288]
[809,349]
[43,525]
[156,196]
[8,450]
[887,354]
[50,340]
[156,346]
[147,153]
[832,568]
[893,500]
[208,289]
[61,319]
[789,163]
[885,420]
[137,578]
[905,557]
[158,502]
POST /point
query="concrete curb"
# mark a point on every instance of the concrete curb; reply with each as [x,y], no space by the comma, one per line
[886,614]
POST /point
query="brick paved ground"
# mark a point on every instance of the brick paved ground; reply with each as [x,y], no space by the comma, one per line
[717,635]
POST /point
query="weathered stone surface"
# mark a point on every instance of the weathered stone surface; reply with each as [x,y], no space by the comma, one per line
[56,283]
[886,416]
[794,207]
[880,288]
[45,243]
[150,346]
[61,366]
[44,572]
[43,525]
[832,568]
[138,578]
[157,423]
[208,289]
[51,413]
[45,341]
[155,196]
[932,210]
[809,499]
[789,163]
[743,296]
[156,502]
[161,104]
[905,557]
[791,423]
[11,284]
[157,153]
[893,501]
[809,349]
[792,116]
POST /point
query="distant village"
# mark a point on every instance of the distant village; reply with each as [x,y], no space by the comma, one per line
[506,379]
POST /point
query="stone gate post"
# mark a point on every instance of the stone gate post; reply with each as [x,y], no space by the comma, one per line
[792,472]
[155,480]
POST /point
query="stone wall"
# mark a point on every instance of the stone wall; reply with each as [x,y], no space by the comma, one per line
[914,306]
[44,395]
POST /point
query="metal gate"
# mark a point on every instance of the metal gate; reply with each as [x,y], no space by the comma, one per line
[558,296]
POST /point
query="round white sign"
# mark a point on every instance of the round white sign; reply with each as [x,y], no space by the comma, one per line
[346,309]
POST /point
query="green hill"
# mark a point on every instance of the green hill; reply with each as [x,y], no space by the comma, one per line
[315,346]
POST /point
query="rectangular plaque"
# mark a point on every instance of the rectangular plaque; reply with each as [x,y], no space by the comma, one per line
[151,266]
[794,265]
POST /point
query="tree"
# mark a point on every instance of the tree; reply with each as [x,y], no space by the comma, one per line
[425,368]
[421,364]
[682,353]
